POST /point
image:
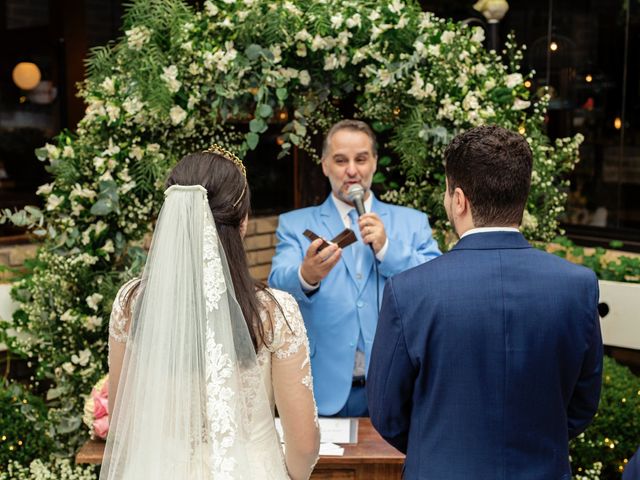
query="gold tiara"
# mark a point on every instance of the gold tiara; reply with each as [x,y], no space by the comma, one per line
[217,149]
[223,152]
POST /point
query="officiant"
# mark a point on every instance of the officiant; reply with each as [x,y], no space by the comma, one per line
[339,289]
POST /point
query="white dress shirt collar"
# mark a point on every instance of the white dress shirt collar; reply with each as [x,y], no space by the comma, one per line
[344,208]
[488,229]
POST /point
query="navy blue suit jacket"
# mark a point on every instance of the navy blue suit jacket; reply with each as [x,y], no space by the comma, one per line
[486,361]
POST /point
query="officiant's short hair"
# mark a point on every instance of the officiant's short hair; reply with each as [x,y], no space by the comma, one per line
[353,125]
[492,166]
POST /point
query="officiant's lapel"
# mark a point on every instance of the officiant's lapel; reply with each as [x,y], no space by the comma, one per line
[334,225]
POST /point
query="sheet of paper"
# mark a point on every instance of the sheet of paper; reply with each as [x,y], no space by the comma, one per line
[331,449]
[333,430]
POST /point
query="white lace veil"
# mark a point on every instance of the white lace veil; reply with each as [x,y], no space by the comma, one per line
[190,385]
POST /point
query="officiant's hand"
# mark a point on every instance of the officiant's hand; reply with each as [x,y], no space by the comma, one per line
[317,264]
[372,230]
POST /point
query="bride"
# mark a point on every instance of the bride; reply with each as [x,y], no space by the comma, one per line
[201,354]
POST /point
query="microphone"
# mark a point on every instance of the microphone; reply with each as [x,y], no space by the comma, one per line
[356,195]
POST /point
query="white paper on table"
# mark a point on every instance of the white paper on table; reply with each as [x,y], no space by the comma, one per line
[331,449]
[332,430]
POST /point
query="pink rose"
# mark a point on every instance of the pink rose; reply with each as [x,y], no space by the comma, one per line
[100,404]
[101,427]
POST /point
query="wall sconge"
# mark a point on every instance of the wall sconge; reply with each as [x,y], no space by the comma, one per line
[26,75]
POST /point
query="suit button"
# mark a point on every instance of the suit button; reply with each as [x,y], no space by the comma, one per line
[359,276]
[360,304]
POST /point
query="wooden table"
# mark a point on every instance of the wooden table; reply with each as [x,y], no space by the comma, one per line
[370,459]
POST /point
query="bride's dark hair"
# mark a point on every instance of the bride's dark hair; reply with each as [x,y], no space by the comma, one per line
[230,202]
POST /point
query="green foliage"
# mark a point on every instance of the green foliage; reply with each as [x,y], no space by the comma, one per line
[621,269]
[23,426]
[600,453]
[50,468]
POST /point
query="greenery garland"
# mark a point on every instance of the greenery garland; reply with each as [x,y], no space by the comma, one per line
[181,79]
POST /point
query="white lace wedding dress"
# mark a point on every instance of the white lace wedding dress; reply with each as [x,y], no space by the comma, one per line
[286,372]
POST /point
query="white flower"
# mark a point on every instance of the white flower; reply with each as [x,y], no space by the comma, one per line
[478,35]
[68,152]
[354,21]
[418,88]
[302,36]
[211,9]
[470,102]
[94,300]
[426,21]
[136,152]
[403,22]
[78,191]
[359,55]
[519,104]
[276,51]
[374,15]
[132,105]
[137,37]
[530,222]
[44,189]
[304,78]
[108,246]
[420,49]
[92,322]
[170,76]
[187,46]
[336,21]
[54,201]
[113,112]
[177,114]
[480,69]
[513,80]
[193,100]
[396,7]
[94,109]
[108,86]
[301,50]
[489,84]
[331,62]
[67,316]
[291,8]
[318,43]
[82,358]
[52,151]
[447,36]
[68,367]
[385,76]
[434,50]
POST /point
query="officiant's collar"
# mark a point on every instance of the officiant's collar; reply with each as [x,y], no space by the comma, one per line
[344,208]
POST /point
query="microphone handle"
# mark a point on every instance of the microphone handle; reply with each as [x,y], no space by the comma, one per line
[357,202]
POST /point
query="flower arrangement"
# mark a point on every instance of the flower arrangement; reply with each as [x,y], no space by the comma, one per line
[180,79]
[96,409]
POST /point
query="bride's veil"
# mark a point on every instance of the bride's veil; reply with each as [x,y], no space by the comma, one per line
[190,385]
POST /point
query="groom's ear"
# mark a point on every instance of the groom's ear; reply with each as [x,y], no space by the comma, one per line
[460,202]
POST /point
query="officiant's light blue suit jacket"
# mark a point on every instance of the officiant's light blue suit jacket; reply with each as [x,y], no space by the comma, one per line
[486,361]
[345,303]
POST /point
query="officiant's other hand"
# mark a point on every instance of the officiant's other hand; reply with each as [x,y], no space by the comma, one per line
[372,230]
[317,264]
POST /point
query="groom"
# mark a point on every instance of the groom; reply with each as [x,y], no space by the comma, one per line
[487,359]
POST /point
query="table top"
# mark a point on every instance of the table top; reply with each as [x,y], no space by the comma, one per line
[371,448]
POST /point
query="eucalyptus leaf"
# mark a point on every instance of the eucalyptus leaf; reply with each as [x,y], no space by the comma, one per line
[264,110]
[252,140]
[257,125]
[253,51]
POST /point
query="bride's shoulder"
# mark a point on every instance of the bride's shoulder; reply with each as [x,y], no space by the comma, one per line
[120,311]
[283,309]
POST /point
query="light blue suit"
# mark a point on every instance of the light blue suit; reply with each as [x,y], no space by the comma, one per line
[345,303]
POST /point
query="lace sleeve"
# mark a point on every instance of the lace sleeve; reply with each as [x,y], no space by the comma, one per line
[293,387]
[119,321]
[118,336]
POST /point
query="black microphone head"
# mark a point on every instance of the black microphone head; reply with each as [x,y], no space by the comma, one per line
[356,192]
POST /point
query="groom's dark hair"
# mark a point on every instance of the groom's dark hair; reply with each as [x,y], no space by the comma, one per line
[492,166]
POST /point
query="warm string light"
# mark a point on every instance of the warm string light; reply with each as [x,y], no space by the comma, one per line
[527,83]
[588,78]
[553,46]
